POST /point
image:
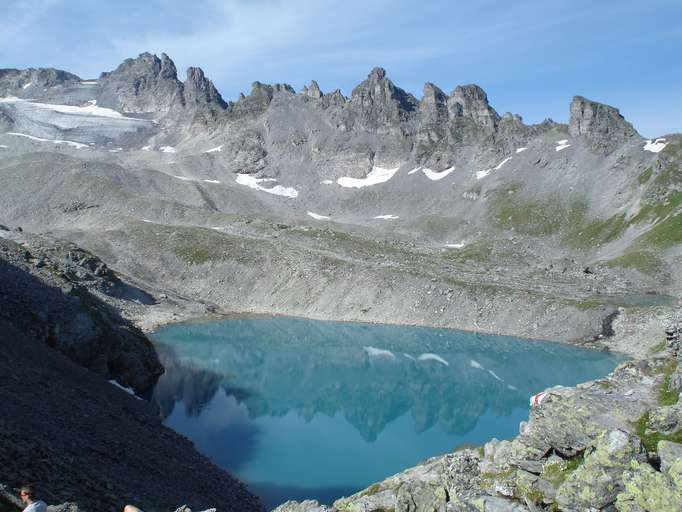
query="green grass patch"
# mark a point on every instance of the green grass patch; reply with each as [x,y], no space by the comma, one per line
[650,439]
[643,261]
[645,176]
[536,218]
[196,255]
[658,347]
[478,251]
[557,473]
[666,396]
[589,233]
[658,208]
[371,490]
[197,246]
[664,234]
[492,476]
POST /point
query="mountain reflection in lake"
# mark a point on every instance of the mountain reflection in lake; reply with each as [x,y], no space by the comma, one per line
[305,409]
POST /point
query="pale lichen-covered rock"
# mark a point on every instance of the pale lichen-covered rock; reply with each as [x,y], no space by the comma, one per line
[669,453]
[665,419]
[565,425]
[499,456]
[303,506]
[597,482]
[648,490]
[497,504]
[429,486]
[675,382]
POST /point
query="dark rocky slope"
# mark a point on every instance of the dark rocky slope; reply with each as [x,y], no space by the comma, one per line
[55,294]
[91,443]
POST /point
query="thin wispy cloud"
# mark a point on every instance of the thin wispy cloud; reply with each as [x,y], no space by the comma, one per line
[530,56]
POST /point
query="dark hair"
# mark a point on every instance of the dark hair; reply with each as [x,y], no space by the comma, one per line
[29,489]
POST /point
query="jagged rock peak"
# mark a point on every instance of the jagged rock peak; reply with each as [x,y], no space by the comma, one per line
[313,90]
[433,105]
[603,126]
[144,84]
[471,101]
[433,91]
[377,74]
[200,90]
[377,104]
[146,64]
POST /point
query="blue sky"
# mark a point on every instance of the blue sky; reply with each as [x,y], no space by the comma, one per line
[530,56]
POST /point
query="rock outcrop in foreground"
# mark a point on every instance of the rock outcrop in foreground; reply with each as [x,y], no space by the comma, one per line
[610,444]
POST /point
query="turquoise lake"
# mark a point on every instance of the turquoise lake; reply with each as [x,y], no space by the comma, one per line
[306,409]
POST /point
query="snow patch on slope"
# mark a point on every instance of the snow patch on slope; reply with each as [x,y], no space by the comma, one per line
[255,183]
[185,178]
[479,175]
[562,144]
[76,145]
[431,174]
[655,146]
[437,175]
[377,175]
[90,110]
[317,216]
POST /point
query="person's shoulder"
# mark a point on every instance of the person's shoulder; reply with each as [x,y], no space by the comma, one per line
[36,506]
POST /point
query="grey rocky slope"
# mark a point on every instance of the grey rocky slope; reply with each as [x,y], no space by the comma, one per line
[446,212]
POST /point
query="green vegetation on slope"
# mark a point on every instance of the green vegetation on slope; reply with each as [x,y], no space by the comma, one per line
[667,396]
[650,438]
[644,261]
[664,234]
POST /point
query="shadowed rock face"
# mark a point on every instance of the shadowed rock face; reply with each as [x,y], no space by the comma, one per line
[602,125]
[88,442]
[50,298]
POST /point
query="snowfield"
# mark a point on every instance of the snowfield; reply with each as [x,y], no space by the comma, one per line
[377,175]
[255,183]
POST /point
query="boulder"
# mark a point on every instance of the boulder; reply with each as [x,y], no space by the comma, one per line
[665,420]
[597,482]
[669,453]
[648,490]
[304,506]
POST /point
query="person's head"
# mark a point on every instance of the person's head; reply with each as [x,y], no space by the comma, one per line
[27,493]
